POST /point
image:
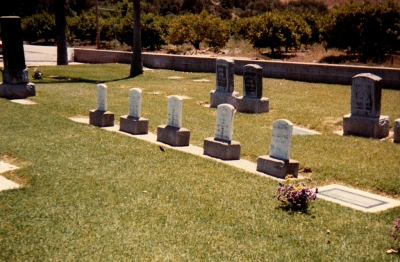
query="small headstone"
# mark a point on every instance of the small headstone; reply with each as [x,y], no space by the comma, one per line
[252,100]
[102,97]
[396,136]
[252,81]
[133,123]
[224,122]
[101,117]
[221,145]
[174,117]
[281,139]
[16,83]
[224,93]
[135,102]
[365,119]
[173,134]
[278,162]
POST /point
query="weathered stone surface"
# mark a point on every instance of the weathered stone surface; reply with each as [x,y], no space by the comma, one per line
[15,76]
[13,49]
[221,97]
[174,117]
[396,137]
[102,97]
[134,125]
[281,139]
[225,70]
[135,102]
[17,91]
[374,127]
[252,105]
[173,136]
[366,93]
[101,118]
[277,167]
[221,149]
[224,122]
[252,81]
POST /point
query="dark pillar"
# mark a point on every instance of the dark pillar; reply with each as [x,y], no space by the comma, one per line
[15,75]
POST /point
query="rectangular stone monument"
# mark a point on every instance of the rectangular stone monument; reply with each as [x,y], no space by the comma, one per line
[365,119]
[16,83]
[396,133]
[278,162]
[101,117]
[133,123]
[224,93]
[252,100]
[221,145]
[173,134]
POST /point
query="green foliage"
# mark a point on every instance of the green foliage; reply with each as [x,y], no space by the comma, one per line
[371,30]
[84,26]
[275,30]
[154,30]
[38,27]
[195,29]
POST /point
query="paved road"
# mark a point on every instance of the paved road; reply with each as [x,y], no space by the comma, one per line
[42,55]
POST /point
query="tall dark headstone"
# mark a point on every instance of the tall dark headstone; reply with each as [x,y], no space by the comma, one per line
[252,100]
[365,118]
[224,92]
[16,83]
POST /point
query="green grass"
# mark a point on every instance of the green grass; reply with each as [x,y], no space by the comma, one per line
[94,195]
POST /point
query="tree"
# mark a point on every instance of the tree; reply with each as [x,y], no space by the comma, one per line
[137,63]
[195,29]
[61,29]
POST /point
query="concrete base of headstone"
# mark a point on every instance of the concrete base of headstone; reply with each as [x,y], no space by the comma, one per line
[252,105]
[218,97]
[277,167]
[173,136]
[17,91]
[221,150]
[396,137]
[101,118]
[133,125]
[373,127]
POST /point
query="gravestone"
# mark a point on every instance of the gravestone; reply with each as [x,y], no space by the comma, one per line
[221,145]
[133,123]
[396,136]
[252,100]
[173,134]
[16,83]
[224,93]
[101,117]
[365,119]
[278,162]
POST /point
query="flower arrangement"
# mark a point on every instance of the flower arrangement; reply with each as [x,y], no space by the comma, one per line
[296,196]
[396,233]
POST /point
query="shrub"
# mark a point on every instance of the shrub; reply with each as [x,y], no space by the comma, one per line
[195,29]
[38,27]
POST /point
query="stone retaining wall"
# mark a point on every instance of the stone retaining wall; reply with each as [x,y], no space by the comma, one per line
[307,72]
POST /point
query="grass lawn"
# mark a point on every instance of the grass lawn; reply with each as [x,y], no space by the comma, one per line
[94,195]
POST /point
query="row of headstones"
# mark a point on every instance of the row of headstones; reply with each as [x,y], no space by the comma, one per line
[365,117]
[252,100]
[221,146]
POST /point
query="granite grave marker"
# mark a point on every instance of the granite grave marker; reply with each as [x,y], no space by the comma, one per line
[101,117]
[133,123]
[224,93]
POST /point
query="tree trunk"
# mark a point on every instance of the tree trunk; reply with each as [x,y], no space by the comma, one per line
[61,28]
[137,63]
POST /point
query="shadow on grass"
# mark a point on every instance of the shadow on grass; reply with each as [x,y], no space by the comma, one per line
[63,80]
[291,210]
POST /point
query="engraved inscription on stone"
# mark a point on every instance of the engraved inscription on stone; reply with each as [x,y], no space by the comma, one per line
[174,112]
[366,95]
[224,125]
[225,69]
[281,139]
[102,97]
[352,198]
[252,81]
[135,101]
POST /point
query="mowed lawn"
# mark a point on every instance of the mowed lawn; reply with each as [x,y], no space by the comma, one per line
[93,195]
